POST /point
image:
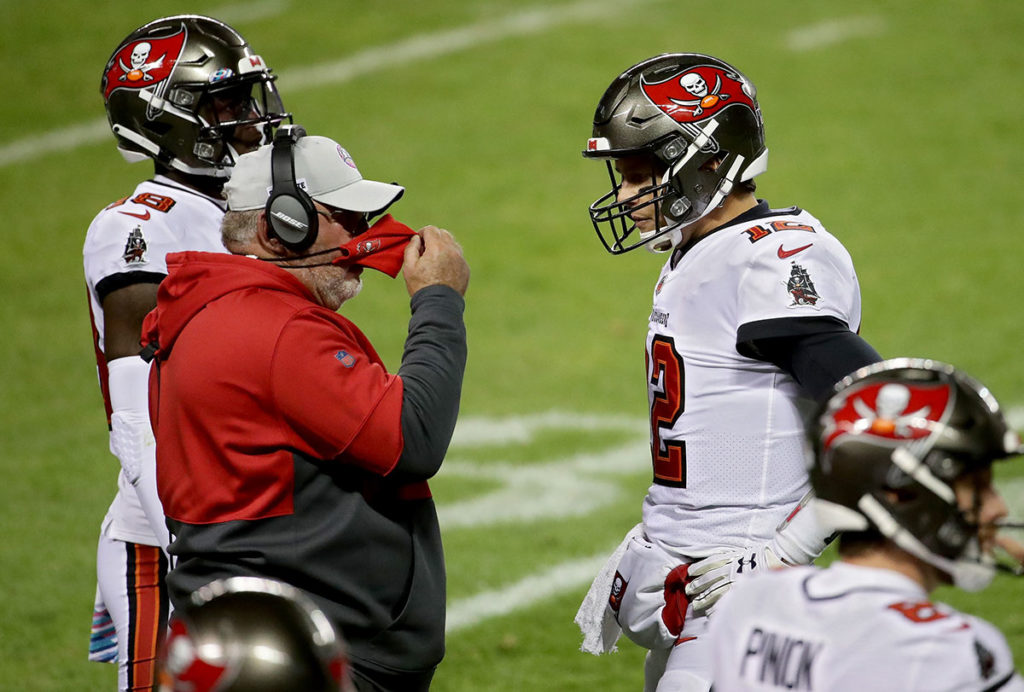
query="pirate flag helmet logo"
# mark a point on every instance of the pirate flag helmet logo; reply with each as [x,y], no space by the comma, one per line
[895,411]
[699,93]
[143,64]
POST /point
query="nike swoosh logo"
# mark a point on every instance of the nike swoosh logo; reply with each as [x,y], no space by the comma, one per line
[783,254]
[145,217]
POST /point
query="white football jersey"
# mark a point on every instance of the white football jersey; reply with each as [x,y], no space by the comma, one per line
[135,234]
[851,628]
[727,433]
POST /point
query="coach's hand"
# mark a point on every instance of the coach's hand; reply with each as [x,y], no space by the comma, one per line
[433,258]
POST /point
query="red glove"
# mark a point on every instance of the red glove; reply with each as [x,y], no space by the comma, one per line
[676,602]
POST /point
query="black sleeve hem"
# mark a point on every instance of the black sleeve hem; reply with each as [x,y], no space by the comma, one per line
[752,332]
[817,361]
[109,284]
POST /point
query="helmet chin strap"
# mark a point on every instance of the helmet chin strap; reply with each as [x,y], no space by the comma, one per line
[154,153]
[209,172]
[670,236]
[969,575]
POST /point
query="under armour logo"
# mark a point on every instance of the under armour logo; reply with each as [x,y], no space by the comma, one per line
[750,562]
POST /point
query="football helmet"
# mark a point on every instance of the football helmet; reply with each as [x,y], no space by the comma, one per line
[888,446]
[682,109]
[159,89]
[248,634]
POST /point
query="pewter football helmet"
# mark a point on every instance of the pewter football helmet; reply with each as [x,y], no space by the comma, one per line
[247,634]
[158,85]
[906,429]
[683,109]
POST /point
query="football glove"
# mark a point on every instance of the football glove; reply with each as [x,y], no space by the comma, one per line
[797,541]
[709,579]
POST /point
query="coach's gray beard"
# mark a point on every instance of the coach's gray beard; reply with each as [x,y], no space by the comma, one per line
[336,286]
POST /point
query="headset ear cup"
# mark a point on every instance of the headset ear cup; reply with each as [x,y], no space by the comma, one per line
[291,214]
[293,220]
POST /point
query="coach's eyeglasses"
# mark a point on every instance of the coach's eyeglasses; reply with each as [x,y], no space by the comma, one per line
[355,222]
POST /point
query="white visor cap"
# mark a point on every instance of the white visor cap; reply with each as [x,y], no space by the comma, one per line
[322,168]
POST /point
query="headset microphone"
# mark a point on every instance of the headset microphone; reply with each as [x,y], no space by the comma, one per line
[292,258]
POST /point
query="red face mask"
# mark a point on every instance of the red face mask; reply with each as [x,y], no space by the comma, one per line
[381,247]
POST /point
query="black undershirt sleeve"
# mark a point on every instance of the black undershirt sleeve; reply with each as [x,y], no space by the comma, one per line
[817,352]
[432,368]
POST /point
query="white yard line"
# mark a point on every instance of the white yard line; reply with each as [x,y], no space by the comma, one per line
[480,431]
[1015,415]
[532,589]
[571,487]
[574,485]
[416,48]
[833,31]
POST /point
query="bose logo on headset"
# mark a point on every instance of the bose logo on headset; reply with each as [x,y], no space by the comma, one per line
[291,215]
[294,223]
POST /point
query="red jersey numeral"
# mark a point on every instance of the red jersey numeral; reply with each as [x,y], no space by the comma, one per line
[667,386]
[918,612]
[154,201]
[756,233]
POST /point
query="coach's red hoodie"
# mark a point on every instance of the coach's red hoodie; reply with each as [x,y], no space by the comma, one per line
[278,434]
[251,369]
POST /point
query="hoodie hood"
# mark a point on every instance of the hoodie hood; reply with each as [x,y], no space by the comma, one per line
[196,279]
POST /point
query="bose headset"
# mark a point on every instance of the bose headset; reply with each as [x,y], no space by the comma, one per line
[291,215]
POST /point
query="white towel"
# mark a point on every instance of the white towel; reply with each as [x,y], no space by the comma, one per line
[595,619]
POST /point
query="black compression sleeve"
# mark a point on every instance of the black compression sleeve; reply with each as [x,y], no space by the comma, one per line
[432,368]
[817,360]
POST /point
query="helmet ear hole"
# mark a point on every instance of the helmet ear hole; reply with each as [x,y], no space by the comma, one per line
[156,128]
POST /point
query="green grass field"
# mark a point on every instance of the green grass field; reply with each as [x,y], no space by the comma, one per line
[897,124]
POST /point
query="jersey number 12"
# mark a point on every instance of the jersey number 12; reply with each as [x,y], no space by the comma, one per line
[666,368]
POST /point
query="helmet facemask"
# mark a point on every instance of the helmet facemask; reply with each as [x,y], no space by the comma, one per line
[614,220]
[221,112]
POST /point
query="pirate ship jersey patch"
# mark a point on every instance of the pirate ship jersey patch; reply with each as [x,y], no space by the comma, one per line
[135,248]
[801,288]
